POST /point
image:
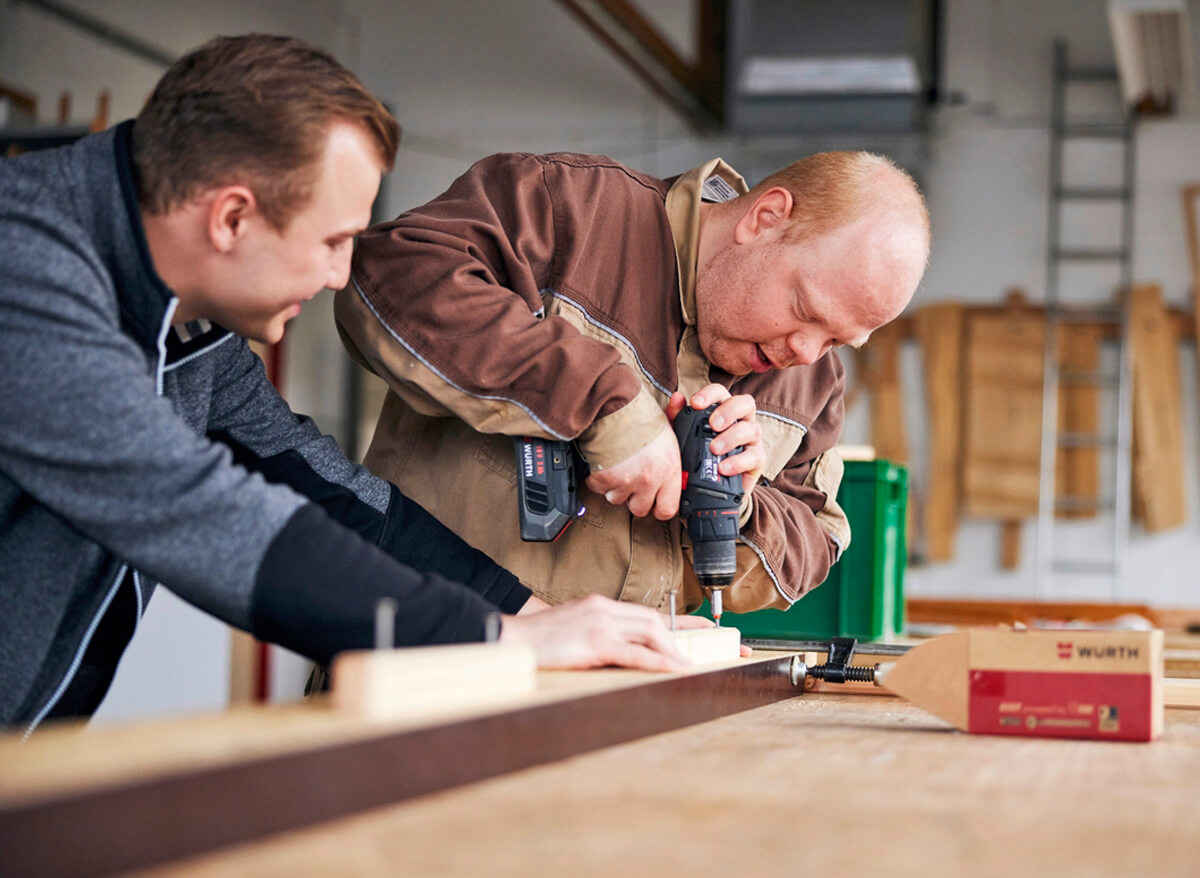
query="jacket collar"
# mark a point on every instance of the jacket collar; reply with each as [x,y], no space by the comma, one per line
[683,213]
[145,302]
[142,297]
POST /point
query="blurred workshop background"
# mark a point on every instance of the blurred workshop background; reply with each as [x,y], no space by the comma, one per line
[962,93]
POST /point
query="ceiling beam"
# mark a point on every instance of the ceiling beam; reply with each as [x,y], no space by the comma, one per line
[695,91]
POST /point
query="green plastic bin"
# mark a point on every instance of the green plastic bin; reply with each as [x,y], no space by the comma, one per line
[863,595]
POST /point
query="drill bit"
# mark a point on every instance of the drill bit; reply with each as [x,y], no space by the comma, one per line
[672,610]
[716,606]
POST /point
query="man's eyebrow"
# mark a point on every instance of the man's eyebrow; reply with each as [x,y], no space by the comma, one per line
[341,236]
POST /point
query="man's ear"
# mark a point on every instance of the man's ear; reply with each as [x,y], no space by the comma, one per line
[769,211]
[228,213]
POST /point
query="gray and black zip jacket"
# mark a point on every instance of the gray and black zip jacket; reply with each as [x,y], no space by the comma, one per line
[131,457]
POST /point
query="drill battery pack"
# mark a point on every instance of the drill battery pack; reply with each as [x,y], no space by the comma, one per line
[549,473]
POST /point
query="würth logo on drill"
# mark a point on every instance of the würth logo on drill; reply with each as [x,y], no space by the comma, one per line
[1067,648]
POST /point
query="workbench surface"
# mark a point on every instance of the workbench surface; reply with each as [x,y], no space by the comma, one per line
[821,784]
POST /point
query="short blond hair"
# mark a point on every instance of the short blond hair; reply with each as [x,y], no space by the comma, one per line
[833,189]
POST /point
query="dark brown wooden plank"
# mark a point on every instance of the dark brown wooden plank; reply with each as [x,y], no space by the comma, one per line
[156,820]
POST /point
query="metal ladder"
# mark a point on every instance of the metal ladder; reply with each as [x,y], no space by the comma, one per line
[1115,502]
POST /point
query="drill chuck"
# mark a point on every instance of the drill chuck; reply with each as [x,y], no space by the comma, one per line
[714,561]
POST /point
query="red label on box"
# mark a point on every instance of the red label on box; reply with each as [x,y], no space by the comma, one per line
[1057,705]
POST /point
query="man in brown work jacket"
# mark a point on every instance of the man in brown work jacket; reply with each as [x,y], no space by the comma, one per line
[569,296]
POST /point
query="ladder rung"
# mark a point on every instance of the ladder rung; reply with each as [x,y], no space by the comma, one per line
[1090,74]
[1098,255]
[1081,504]
[1095,194]
[1081,376]
[1085,440]
[1113,131]
[1082,565]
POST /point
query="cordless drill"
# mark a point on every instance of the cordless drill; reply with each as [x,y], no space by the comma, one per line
[710,504]
[549,472]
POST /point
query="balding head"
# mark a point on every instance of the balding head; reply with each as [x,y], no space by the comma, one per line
[833,189]
[817,255]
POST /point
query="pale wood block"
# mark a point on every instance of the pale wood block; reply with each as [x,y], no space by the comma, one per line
[427,680]
[1181,693]
[705,646]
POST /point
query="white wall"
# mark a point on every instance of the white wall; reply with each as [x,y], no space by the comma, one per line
[471,77]
[987,189]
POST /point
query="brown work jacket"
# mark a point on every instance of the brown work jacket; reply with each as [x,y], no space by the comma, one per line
[554,295]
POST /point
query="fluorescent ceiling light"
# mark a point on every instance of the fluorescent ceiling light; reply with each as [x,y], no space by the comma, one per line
[829,74]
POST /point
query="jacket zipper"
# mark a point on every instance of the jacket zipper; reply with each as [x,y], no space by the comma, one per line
[83,645]
[112,591]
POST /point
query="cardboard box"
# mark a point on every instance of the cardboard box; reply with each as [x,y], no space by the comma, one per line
[1061,683]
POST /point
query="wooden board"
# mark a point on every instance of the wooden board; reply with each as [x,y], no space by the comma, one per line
[1010,544]
[1181,662]
[880,361]
[1181,693]
[1004,363]
[954,611]
[880,358]
[243,668]
[1191,193]
[938,329]
[1158,489]
[122,820]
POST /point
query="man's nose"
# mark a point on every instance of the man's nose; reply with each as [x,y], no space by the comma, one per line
[805,348]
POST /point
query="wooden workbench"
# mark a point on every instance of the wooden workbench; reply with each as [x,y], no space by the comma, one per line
[815,784]
[821,784]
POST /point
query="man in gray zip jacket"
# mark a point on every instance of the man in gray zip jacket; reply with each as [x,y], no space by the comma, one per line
[140,441]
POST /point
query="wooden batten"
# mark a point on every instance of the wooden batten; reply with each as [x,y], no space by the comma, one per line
[881,367]
[1010,544]
[938,329]
[1190,193]
[1077,469]
[1159,492]
[426,681]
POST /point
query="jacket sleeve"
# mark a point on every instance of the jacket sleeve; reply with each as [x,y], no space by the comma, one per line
[248,415]
[445,304]
[795,530]
[84,433]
